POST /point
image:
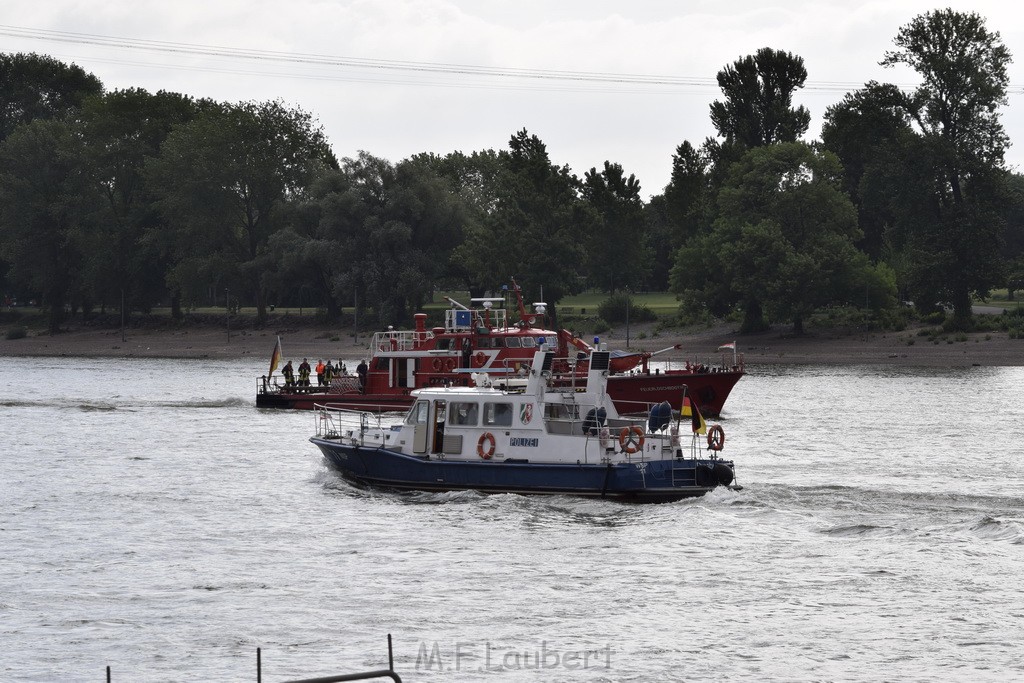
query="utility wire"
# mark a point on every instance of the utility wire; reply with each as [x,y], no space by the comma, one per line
[458,71]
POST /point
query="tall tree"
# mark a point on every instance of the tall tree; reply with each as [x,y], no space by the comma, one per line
[123,129]
[758,107]
[223,180]
[40,87]
[869,131]
[536,227]
[783,242]
[963,67]
[618,254]
[46,196]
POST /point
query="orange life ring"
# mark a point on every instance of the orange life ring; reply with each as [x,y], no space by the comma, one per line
[479,359]
[437,365]
[489,453]
[449,364]
[631,439]
[716,438]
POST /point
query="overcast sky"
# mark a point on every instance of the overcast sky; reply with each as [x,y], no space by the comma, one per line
[637,77]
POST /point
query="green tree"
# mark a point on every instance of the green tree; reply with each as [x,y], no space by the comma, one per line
[126,257]
[475,179]
[395,224]
[535,229]
[618,255]
[40,87]
[758,107]
[46,196]
[223,182]
[869,131]
[963,67]
[544,222]
[782,245]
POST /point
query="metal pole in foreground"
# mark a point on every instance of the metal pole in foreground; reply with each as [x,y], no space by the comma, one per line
[259,667]
[227,308]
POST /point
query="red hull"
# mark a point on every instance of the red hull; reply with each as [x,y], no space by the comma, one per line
[484,341]
[630,393]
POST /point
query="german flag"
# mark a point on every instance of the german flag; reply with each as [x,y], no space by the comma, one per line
[691,411]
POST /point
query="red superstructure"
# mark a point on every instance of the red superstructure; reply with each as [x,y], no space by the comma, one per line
[481,340]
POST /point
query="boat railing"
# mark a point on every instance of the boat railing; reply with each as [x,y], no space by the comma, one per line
[463,319]
[398,340]
[335,422]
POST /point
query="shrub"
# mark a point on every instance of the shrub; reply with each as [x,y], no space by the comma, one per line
[613,310]
[17,333]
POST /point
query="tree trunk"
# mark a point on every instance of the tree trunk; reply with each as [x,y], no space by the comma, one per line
[962,315]
[176,305]
[753,318]
[798,325]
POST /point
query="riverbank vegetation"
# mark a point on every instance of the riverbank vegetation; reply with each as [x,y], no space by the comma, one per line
[123,202]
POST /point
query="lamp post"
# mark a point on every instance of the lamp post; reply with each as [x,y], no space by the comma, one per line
[627,319]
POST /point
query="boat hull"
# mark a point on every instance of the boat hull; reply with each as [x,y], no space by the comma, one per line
[297,400]
[635,392]
[630,393]
[647,481]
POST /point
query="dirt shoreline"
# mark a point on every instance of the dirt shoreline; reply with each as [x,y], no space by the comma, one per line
[777,346]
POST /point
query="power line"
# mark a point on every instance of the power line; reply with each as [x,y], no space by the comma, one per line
[633,82]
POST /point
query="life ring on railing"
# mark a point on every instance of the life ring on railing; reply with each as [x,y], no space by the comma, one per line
[436,365]
[716,438]
[449,364]
[479,359]
[631,439]
[489,453]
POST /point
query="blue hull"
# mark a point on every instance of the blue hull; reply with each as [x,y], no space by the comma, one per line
[651,481]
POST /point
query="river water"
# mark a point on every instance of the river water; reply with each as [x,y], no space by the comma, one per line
[154,521]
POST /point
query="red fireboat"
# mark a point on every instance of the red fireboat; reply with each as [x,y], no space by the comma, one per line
[480,339]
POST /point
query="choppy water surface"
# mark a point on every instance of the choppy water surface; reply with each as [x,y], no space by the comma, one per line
[152,520]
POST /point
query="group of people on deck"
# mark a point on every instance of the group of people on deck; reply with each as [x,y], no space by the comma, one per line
[325,373]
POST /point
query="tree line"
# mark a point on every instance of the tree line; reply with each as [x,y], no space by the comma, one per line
[127,198]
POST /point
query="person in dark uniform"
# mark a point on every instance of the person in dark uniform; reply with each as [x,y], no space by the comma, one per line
[361,370]
[304,371]
[289,374]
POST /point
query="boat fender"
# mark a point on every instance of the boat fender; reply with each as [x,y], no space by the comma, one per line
[723,473]
[631,439]
[705,475]
[716,438]
[487,453]
[437,365]
[604,435]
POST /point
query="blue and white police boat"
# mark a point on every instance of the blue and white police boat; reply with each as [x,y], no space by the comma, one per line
[538,438]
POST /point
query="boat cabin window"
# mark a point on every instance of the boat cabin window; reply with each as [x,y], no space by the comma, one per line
[512,342]
[499,342]
[463,414]
[559,411]
[529,342]
[380,363]
[442,344]
[483,342]
[498,414]
[417,414]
